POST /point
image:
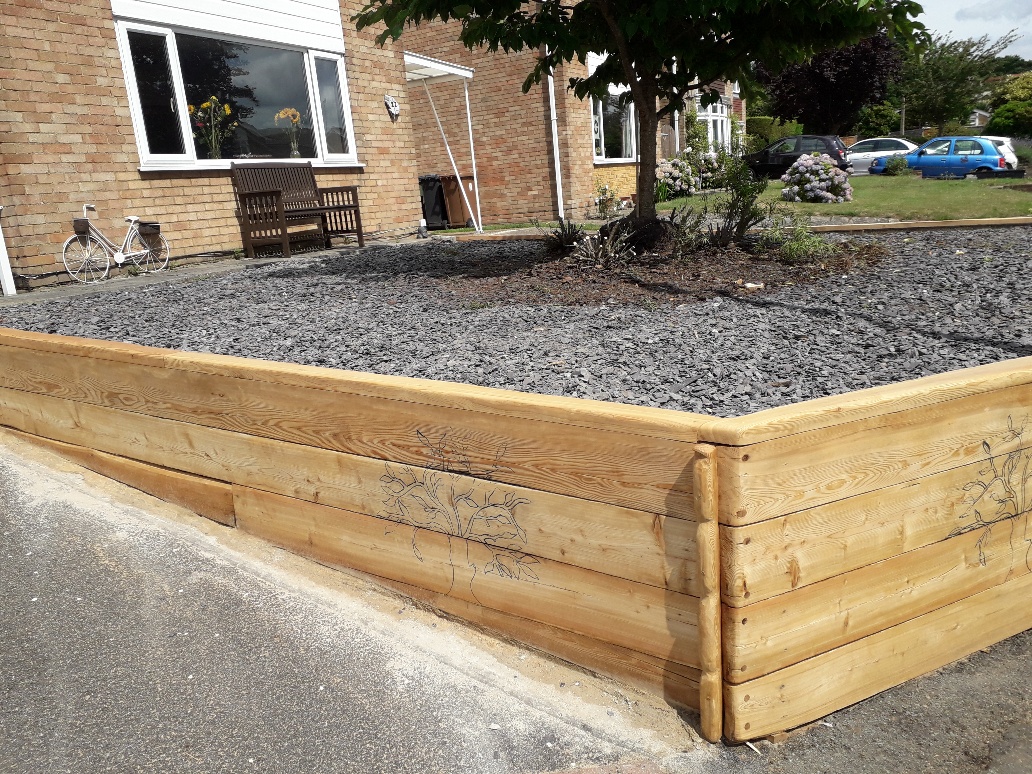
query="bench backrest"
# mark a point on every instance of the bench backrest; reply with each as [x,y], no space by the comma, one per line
[296,181]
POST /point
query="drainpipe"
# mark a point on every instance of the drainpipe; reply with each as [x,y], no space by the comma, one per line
[555,142]
[6,278]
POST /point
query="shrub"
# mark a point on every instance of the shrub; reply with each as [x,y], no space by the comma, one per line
[674,179]
[816,179]
[877,120]
[795,243]
[605,201]
[770,129]
[737,210]
[608,251]
[713,170]
[565,236]
[896,165]
[1012,119]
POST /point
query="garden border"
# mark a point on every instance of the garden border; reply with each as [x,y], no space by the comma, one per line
[765,569]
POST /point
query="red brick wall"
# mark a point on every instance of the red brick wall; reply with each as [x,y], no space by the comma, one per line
[512,133]
[66,138]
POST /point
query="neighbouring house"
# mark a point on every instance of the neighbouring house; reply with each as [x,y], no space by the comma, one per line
[109,102]
[979,117]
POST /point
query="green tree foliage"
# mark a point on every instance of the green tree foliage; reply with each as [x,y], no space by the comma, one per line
[943,80]
[709,40]
[876,120]
[1009,65]
[1016,89]
[1012,119]
[828,92]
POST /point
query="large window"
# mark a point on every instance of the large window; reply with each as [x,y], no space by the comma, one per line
[203,100]
[614,127]
[717,120]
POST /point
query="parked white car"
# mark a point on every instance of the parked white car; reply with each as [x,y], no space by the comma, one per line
[1006,148]
[862,153]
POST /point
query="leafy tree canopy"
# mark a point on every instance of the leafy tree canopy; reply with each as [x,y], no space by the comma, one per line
[945,79]
[1016,89]
[709,40]
[828,92]
[877,120]
[1009,65]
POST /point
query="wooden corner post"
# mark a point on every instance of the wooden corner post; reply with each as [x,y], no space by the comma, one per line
[711,684]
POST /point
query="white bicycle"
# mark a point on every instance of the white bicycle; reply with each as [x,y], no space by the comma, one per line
[88,253]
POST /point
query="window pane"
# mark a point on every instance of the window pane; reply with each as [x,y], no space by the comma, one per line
[617,128]
[596,125]
[248,101]
[332,103]
[157,97]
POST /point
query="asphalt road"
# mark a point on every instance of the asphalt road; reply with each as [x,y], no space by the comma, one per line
[135,637]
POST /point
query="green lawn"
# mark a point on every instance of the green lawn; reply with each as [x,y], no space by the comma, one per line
[909,197]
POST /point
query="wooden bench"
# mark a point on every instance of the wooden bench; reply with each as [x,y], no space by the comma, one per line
[274,196]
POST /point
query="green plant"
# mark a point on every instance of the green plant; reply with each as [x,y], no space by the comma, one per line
[133,271]
[605,201]
[1012,118]
[606,252]
[895,166]
[737,209]
[564,236]
[687,224]
[674,178]
[794,242]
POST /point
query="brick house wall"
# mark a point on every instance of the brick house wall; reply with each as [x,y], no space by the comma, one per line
[512,133]
[66,138]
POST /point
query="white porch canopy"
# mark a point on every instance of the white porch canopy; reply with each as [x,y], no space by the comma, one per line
[423,68]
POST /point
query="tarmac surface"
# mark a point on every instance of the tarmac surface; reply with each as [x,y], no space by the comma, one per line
[138,637]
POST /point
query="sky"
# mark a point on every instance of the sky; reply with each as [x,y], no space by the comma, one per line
[974,18]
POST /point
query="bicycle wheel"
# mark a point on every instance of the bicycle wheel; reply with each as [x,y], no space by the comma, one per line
[149,252]
[85,259]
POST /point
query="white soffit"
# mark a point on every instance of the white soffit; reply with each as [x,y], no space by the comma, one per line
[423,68]
[312,24]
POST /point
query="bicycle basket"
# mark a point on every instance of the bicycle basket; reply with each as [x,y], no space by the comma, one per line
[149,228]
[81,226]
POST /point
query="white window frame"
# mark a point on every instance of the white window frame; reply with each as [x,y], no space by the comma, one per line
[188,160]
[717,118]
[593,61]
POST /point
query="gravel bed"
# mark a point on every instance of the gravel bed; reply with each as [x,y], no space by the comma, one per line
[943,300]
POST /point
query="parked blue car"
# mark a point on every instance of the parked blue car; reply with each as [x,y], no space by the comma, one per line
[952,156]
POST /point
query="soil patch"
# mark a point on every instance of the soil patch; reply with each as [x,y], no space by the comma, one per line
[650,279]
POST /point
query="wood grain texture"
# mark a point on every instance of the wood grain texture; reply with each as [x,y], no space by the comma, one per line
[790,552]
[858,405]
[642,618]
[612,540]
[711,685]
[770,635]
[785,475]
[813,688]
[676,683]
[203,496]
[578,412]
[621,468]
[907,225]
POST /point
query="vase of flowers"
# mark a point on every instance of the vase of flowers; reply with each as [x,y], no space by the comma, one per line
[292,118]
[212,123]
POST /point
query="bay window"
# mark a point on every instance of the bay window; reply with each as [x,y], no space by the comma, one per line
[202,100]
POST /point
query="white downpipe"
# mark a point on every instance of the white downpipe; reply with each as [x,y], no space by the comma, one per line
[472,157]
[447,147]
[6,278]
[555,143]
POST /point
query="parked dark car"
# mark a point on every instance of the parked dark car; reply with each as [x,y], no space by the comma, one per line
[952,157]
[776,158]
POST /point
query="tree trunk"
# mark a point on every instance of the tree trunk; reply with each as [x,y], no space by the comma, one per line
[648,124]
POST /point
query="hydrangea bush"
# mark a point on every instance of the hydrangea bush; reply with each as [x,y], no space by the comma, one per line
[816,179]
[712,170]
[674,179]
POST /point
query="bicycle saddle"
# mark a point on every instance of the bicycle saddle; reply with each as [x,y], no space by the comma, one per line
[132,219]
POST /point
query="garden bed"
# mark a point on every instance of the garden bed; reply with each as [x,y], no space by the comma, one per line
[766,569]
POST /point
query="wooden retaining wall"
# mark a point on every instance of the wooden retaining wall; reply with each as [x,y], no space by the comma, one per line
[869,538]
[765,570]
